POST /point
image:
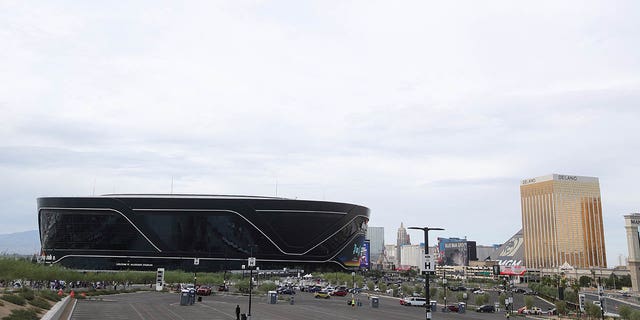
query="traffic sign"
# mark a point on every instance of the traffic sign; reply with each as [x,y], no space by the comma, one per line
[252,262]
[429,263]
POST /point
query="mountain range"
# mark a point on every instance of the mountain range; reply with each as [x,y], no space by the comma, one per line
[23,243]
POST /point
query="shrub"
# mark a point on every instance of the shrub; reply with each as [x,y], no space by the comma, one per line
[49,295]
[29,314]
[14,299]
[27,294]
[40,303]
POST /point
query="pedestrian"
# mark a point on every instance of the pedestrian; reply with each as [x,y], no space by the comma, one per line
[237,312]
[507,315]
[353,303]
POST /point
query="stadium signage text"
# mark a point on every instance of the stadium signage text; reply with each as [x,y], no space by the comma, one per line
[568,178]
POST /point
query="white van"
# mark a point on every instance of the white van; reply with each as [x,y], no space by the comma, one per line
[415,301]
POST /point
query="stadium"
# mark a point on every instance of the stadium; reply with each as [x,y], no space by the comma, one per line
[200,232]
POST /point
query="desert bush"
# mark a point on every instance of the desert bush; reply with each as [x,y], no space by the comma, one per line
[27,294]
[49,295]
[40,303]
[13,299]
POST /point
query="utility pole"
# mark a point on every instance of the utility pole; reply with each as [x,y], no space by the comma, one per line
[427,270]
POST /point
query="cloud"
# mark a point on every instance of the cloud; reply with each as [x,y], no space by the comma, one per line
[421,111]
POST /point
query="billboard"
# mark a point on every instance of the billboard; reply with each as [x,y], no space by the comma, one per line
[455,253]
[365,255]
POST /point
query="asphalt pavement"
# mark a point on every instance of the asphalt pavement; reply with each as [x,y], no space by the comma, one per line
[166,306]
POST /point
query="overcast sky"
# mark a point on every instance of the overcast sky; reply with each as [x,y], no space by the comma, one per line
[428,113]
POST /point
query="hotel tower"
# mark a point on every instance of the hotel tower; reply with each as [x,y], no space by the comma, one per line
[562,222]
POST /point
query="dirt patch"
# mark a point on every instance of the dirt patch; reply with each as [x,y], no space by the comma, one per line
[5,310]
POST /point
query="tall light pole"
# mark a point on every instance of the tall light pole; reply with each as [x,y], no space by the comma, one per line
[251,263]
[426,281]
[444,287]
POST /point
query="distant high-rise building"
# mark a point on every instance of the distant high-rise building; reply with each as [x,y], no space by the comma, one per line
[402,239]
[562,222]
[389,256]
[412,255]
[376,236]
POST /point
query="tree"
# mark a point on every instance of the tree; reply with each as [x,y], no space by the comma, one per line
[593,311]
[481,299]
[370,285]
[528,302]
[418,289]
[612,281]
[561,307]
[501,299]
[585,281]
[625,312]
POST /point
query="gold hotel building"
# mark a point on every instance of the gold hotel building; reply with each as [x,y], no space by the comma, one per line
[562,222]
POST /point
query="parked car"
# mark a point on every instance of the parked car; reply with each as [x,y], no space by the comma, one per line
[479,291]
[415,302]
[339,293]
[203,291]
[486,308]
[314,289]
[223,287]
[533,310]
[286,291]
[458,288]
[452,308]
[519,290]
[531,292]
[321,295]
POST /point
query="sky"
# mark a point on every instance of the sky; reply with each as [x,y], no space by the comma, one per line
[428,113]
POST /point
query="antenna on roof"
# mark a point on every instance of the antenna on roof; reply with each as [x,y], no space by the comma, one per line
[93,193]
[171,184]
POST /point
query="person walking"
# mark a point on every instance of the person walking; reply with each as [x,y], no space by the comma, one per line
[237,312]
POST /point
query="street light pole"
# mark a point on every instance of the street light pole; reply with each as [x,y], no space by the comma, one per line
[251,263]
[444,286]
[426,282]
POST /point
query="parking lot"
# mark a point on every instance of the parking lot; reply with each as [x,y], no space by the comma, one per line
[160,306]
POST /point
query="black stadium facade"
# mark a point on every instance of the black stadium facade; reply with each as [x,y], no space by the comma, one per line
[198,232]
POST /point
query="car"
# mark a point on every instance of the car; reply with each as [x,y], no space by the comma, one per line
[314,289]
[626,294]
[530,293]
[339,293]
[415,302]
[458,288]
[286,291]
[479,291]
[223,288]
[402,301]
[486,308]
[519,290]
[321,295]
[203,291]
[452,308]
[533,310]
